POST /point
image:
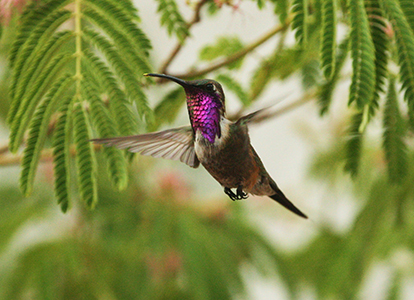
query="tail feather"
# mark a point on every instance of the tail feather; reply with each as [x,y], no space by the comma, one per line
[281,198]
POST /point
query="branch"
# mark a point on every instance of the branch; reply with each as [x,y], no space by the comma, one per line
[237,55]
[194,20]
[267,114]
[8,159]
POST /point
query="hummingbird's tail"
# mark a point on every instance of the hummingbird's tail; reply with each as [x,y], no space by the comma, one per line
[281,198]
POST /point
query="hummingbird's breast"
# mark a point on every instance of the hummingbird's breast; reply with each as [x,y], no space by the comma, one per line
[230,158]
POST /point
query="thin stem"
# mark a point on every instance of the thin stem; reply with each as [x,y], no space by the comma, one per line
[177,48]
[78,52]
[237,55]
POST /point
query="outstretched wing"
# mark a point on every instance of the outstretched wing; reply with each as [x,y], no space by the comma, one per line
[255,117]
[175,144]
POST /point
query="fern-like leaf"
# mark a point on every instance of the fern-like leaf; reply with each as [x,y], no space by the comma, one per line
[281,9]
[29,102]
[106,128]
[224,46]
[172,19]
[363,56]
[393,137]
[136,54]
[407,6]
[37,64]
[300,19]
[328,43]
[235,87]
[405,45]
[381,43]
[31,16]
[85,157]
[119,104]
[353,145]
[61,155]
[327,88]
[123,71]
[39,35]
[168,108]
[37,135]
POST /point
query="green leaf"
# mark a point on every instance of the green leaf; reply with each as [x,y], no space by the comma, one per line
[123,71]
[168,108]
[300,20]
[106,128]
[363,56]
[380,39]
[393,137]
[39,35]
[28,78]
[328,44]
[85,157]
[281,9]
[134,50]
[311,74]
[231,84]
[224,46]
[172,19]
[29,19]
[32,98]
[407,7]
[353,145]
[405,45]
[119,105]
[61,155]
[327,88]
[39,127]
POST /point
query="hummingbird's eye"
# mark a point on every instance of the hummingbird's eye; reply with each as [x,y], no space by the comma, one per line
[210,87]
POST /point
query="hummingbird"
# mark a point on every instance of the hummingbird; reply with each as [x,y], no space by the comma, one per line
[223,147]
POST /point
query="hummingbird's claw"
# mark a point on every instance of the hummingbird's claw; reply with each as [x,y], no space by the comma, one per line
[239,196]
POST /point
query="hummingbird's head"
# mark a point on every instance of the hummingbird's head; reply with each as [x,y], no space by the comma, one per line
[205,103]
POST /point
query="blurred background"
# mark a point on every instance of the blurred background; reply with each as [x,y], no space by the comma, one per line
[174,234]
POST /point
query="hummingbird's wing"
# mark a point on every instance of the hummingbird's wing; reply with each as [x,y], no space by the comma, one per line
[254,117]
[175,144]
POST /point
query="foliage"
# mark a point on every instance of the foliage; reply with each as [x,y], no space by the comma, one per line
[75,72]
[155,244]
[85,65]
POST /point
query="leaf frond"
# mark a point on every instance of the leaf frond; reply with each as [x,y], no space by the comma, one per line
[85,157]
[300,20]
[38,63]
[393,137]
[136,52]
[61,155]
[404,37]
[37,37]
[123,71]
[32,98]
[118,102]
[28,20]
[353,145]
[168,108]
[106,128]
[363,56]
[328,43]
[172,19]
[380,39]
[327,88]
[232,85]
[38,131]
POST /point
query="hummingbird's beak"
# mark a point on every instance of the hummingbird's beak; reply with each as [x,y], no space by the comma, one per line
[172,78]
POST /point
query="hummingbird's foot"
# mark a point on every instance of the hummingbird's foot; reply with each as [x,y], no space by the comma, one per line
[230,193]
[239,196]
